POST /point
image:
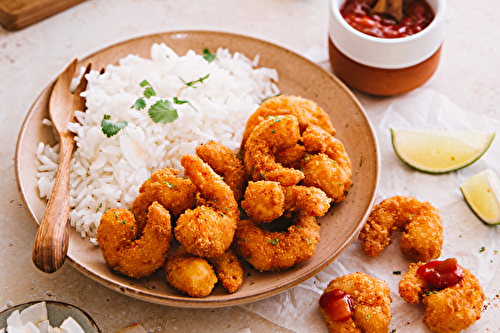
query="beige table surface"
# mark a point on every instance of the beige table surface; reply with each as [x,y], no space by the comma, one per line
[30,58]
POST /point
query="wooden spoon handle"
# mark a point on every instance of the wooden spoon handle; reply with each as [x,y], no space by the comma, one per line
[51,241]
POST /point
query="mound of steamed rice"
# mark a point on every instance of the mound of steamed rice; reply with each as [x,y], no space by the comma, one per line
[107,172]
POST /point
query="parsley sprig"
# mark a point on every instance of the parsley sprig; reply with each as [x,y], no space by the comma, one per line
[163,112]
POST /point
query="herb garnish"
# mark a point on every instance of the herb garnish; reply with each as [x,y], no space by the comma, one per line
[208,56]
[110,128]
[149,91]
[162,112]
[192,83]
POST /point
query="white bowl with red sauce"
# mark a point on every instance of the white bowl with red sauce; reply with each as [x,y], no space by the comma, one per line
[388,65]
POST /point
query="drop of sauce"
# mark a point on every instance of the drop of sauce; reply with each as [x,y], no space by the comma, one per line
[338,304]
[441,274]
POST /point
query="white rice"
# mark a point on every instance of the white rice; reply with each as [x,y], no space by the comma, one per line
[107,172]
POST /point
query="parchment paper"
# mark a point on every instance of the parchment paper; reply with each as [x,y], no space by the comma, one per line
[474,244]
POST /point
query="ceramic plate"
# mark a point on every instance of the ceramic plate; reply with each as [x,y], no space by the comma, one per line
[57,313]
[297,76]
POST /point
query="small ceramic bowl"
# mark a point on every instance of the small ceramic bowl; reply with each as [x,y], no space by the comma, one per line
[385,66]
[57,313]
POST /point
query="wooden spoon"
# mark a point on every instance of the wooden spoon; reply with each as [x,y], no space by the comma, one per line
[392,8]
[51,241]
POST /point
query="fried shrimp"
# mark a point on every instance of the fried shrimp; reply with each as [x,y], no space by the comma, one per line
[208,229]
[450,309]
[271,135]
[422,228]
[276,251]
[222,160]
[307,112]
[174,193]
[356,302]
[265,201]
[129,252]
[190,274]
[229,270]
[326,164]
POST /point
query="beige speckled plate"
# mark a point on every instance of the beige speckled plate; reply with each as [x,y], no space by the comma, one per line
[297,76]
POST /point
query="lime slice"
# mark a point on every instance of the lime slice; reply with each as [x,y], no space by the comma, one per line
[482,194]
[436,151]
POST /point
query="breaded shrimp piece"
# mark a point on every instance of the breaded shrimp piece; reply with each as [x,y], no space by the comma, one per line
[207,230]
[328,166]
[229,270]
[276,251]
[265,201]
[124,252]
[271,135]
[367,309]
[190,274]
[222,160]
[307,112]
[291,157]
[174,193]
[421,224]
[449,310]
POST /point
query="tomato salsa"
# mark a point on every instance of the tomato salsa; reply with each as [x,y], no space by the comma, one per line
[418,14]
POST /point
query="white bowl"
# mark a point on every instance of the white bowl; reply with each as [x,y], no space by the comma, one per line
[370,63]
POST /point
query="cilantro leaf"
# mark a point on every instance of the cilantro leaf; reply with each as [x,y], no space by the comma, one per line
[178,101]
[110,128]
[139,104]
[192,83]
[163,112]
[149,91]
[208,56]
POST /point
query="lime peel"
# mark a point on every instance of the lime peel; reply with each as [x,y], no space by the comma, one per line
[482,194]
[440,151]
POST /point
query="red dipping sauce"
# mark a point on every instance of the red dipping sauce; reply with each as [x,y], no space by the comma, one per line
[441,274]
[418,14]
[338,304]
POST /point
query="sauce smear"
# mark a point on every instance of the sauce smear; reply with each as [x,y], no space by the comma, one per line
[338,304]
[441,274]
[418,14]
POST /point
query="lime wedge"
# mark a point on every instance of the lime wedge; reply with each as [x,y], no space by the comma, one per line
[436,151]
[482,194]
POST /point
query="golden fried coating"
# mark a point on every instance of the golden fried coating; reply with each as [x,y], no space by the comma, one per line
[229,270]
[271,135]
[307,112]
[265,201]
[291,157]
[309,199]
[328,166]
[124,252]
[276,251]
[222,160]
[207,230]
[449,310]
[422,228]
[190,274]
[371,302]
[174,193]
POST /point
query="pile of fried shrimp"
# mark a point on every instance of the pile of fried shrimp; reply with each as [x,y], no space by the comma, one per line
[258,206]
[451,295]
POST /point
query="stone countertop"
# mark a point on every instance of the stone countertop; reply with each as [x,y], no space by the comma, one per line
[32,57]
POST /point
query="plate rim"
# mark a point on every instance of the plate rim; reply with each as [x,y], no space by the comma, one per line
[175,300]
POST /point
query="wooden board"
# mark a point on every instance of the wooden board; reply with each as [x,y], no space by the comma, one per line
[18,14]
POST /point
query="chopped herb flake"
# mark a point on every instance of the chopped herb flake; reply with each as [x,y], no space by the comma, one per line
[208,56]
